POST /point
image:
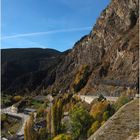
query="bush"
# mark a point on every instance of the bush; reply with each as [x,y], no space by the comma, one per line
[17,98]
[6,100]
[40,112]
[101,97]
[106,115]
[98,109]
[42,134]
[123,99]
[102,122]
[3,117]
[62,137]
[94,127]
[81,78]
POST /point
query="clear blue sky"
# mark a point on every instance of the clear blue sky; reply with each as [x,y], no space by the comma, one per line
[56,24]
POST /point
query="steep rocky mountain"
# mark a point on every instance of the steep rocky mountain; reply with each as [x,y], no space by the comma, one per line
[110,52]
[105,60]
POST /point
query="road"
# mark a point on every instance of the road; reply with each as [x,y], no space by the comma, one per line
[23,117]
[90,98]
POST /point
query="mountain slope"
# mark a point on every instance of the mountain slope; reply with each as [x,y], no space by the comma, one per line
[26,68]
[110,51]
[104,61]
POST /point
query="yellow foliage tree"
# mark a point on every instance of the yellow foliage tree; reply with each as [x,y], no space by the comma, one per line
[98,109]
[29,132]
[17,98]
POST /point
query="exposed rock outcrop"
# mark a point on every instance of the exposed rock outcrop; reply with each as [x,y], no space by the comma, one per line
[110,51]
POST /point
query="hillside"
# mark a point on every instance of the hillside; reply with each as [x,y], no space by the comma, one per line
[123,125]
[26,68]
[104,61]
[109,52]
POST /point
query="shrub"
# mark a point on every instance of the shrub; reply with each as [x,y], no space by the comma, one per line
[123,99]
[101,97]
[42,134]
[63,137]
[40,112]
[94,127]
[17,98]
[98,109]
[81,78]
[3,117]
[102,122]
[106,115]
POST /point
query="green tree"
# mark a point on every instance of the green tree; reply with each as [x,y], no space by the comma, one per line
[80,122]
[42,135]
[94,127]
[101,97]
[106,115]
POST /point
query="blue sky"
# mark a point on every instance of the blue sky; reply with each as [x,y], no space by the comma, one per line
[56,24]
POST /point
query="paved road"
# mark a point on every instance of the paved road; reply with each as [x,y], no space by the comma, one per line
[90,98]
[23,117]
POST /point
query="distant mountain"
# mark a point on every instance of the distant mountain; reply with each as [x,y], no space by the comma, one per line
[104,61]
[26,68]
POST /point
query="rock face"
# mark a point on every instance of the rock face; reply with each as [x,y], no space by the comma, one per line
[126,120]
[110,51]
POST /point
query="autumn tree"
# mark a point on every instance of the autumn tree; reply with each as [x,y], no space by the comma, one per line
[29,132]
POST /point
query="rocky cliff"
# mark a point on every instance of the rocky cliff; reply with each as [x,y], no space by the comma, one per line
[110,51]
[105,60]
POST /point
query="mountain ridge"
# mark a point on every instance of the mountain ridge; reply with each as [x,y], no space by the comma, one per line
[108,52]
